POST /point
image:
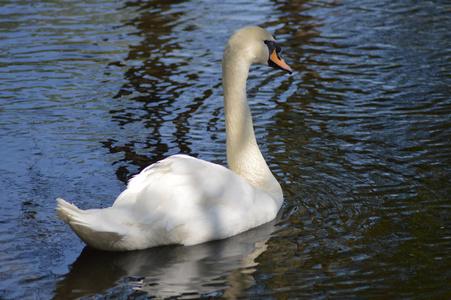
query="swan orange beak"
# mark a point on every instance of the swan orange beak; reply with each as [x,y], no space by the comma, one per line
[277,62]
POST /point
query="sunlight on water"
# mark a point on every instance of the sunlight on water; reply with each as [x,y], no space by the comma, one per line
[358,137]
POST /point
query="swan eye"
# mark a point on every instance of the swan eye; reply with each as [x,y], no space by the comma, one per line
[272,45]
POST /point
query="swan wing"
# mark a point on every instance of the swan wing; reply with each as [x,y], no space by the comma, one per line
[186,200]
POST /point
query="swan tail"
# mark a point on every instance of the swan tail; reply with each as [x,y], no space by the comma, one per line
[86,225]
[66,211]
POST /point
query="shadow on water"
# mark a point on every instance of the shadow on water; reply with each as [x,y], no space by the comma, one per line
[219,268]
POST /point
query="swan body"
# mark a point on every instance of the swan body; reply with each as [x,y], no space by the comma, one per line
[185,200]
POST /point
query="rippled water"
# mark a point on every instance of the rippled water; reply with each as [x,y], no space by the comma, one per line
[359,137]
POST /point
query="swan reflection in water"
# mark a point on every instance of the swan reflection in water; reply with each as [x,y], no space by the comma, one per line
[219,268]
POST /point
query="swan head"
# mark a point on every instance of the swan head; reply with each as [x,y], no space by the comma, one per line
[256,46]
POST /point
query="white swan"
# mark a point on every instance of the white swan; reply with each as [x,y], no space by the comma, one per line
[184,200]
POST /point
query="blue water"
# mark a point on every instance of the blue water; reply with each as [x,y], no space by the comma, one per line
[358,136]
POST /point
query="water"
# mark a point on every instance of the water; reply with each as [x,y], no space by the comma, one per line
[358,136]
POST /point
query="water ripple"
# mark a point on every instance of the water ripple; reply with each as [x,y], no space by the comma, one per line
[358,137]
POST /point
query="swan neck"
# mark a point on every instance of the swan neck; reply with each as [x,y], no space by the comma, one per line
[243,154]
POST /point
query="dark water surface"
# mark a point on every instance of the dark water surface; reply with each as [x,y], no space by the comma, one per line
[359,137]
